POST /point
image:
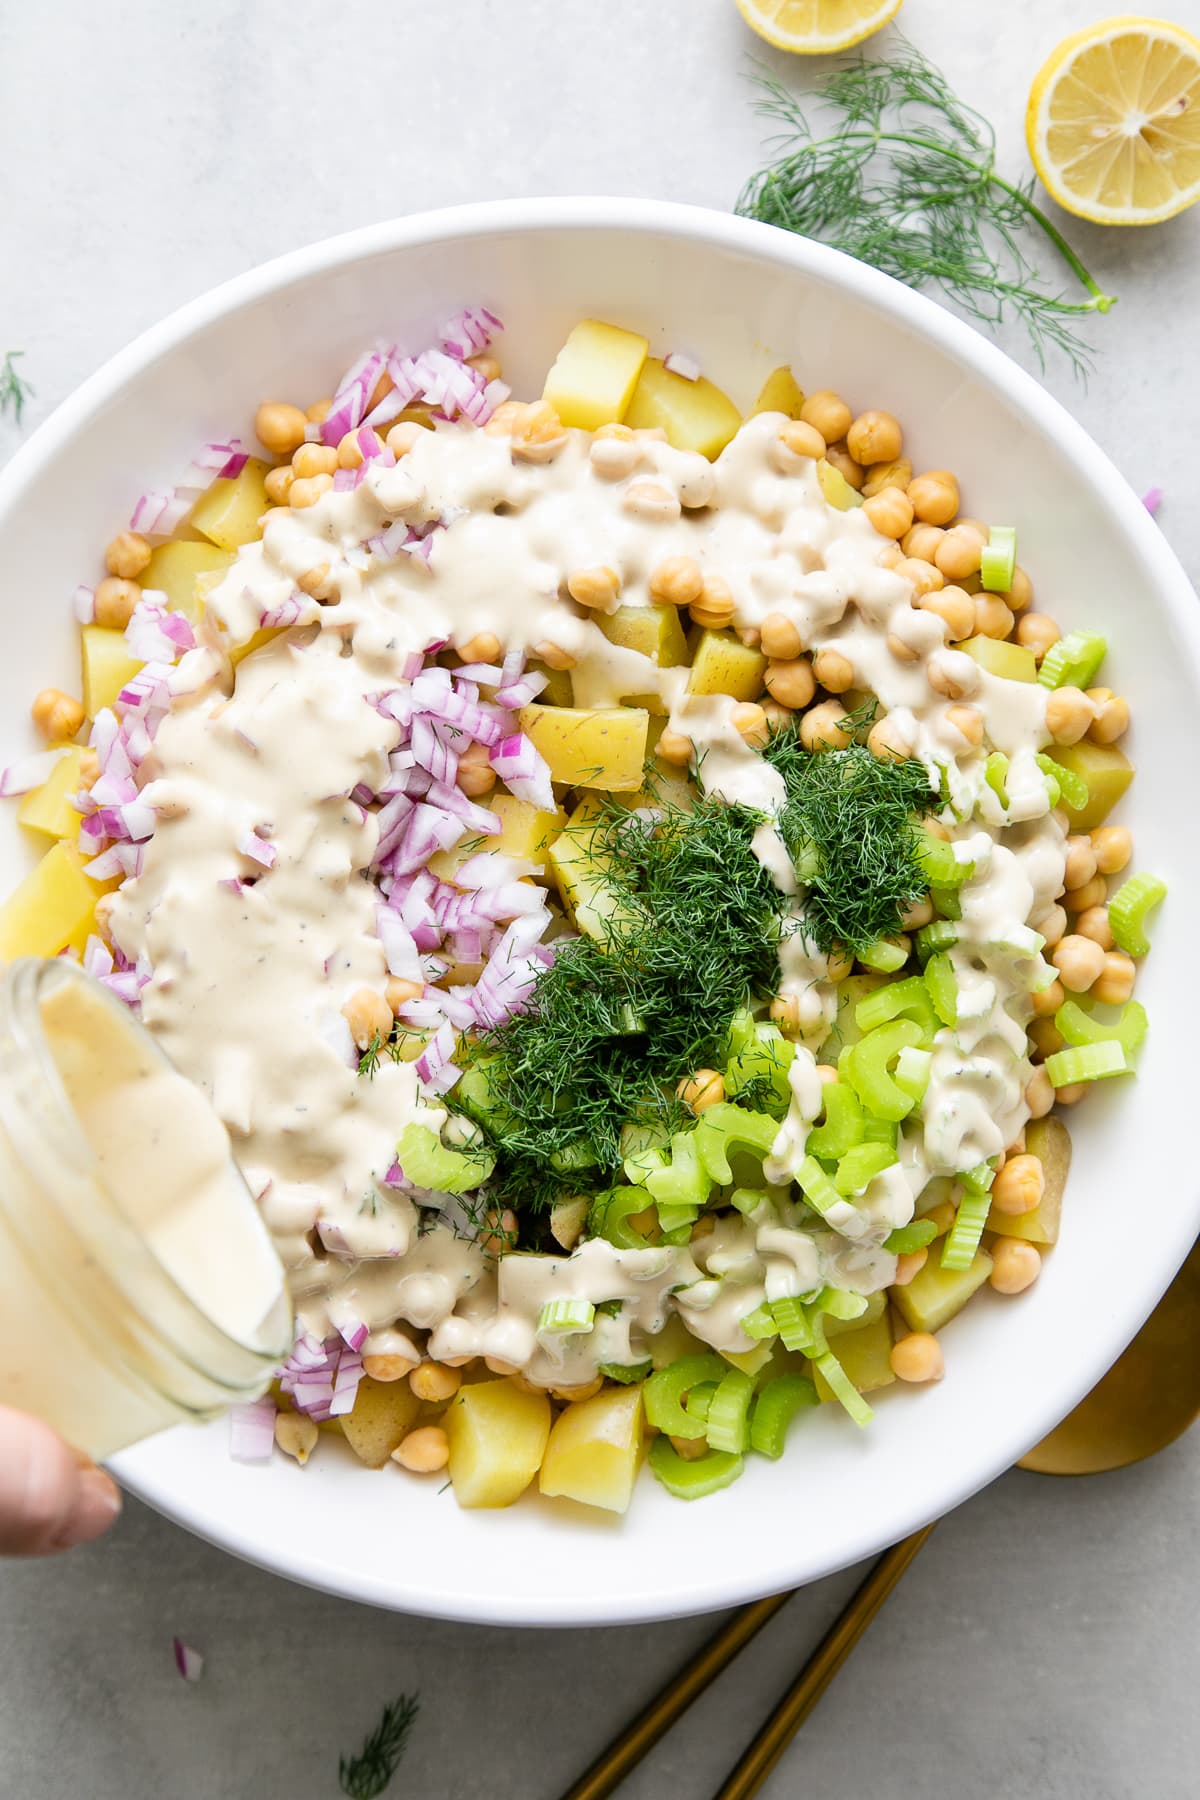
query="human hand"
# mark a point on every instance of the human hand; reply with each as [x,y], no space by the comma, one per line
[51,1497]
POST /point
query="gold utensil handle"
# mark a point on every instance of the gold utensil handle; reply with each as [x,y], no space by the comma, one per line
[625,1752]
[765,1750]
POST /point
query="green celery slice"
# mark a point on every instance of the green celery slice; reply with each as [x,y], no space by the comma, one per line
[776,1407]
[665,1390]
[728,1422]
[692,1480]
[997,564]
[1128,908]
[1087,1062]
[1074,661]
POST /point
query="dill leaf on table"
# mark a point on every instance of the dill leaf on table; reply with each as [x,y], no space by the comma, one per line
[14,389]
[365,1776]
[899,173]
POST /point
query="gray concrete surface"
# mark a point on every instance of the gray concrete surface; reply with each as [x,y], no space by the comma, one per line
[1044,1646]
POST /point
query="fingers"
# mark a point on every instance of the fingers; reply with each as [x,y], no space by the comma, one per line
[50,1498]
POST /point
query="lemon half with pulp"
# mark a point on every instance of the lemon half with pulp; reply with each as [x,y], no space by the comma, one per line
[814,27]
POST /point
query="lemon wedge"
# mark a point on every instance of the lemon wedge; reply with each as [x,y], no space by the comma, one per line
[1113,122]
[814,27]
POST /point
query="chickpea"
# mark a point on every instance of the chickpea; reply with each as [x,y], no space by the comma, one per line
[388,1368]
[827,413]
[1020,590]
[750,722]
[1116,979]
[398,992]
[901,649]
[115,601]
[434,1382]
[476,775]
[317,413]
[278,484]
[350,452]
[314,459]
[538,433]
[955,609]
[908,1264]
[934,497]
[677,582]
[57,715]
[484,647]
[584,1390]
[279,427]
[652,501]
[887,742]
[993,616]
[839,963]
[1037,632]
[918,1357]
[674,747]
[1079,961]
[1047,1000]
[368,1014]
[403,435]
[424,1451]
[1071,1096]
[316,582]
[1113,845]
[777,715]
[923,542]
[821,728]
[1112,717]
[485,366]
[554,655]
[827,1074]
[798,441]
[1069,712]
[791,683]
[689,1449]
[89,768]
[1019,1186]
[127,555]
[890,512]
[1081,861]
[1093,923]
[967,721]
[296,1435]
[714,609]
[926,579]
[960,552]
[785,1012]
[953,674]
[874,437]
[309,491]
[916,914]
[1039,1094]
[897,473]
[838,458]
[704,1088]
[599,588]
[498,1366]
[498,1235]
[1016,1265]
[1083,899]
[834,671]
[504,418]
[936,829]
[1045,1037]
[780,638]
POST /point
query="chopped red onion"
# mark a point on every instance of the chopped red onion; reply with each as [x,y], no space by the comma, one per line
[83,604]
[523,771]
[189,1662]
[286,613]
[159,512]
[521,693]
[488,673]
[27,773]
[434,1067]
[680,363]
[1152,499]
[155,634]
[257,848]
[399,948]
[252,1431]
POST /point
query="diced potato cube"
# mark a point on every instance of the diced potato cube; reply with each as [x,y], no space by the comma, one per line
[581,873]
[594,374]
[558,690]
[1011,661]
[594,1449]
[724,665]
[934,1295]
[603,748]
[694,414]
[384,1413]
[1050,1141]
[750,1362]
[876,1307]
[265,633]
[525,831]
[53,907]
[866,1356]
[653,631]
[498,1437]
[107,666]
[173,570]
[48,809]
[779,393]
[1107,771]
[836,488]
[228,512]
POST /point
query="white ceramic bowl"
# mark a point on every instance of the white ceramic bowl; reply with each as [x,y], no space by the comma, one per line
[744,297]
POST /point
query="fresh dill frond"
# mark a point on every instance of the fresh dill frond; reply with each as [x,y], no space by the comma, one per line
[365,1776]
[848,824]
[901,174]
[368,1062]
[14,389]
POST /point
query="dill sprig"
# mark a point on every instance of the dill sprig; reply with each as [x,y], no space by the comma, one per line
[904,177]
[14,389]
[366,1775]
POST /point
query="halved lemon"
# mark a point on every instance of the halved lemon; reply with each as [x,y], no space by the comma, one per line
[813,27]
[1113,122]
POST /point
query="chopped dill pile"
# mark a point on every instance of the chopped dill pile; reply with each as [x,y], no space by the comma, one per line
[848,828]
[365,1776]
[14,389]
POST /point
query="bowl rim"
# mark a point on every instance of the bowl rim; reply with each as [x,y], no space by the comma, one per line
[952,337]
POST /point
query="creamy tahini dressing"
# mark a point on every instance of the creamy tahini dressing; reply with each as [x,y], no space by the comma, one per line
[252,966]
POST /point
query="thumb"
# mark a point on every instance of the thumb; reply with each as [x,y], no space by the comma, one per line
[50,1497]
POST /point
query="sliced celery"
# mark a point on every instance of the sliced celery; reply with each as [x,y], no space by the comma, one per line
[868,1068]
[908,998]
[942,984]
[760,1324]
[728,1424]
[427,1163]
[838,1303]
[941,935]
[665,1390]
[843,1389]
[1064,784]
[938,863]
[860,1166]
[1128,908]
[962,1240]
[843,1125]
[726,1127]
[882,1131]
[698,1401]
[627,1374]
[816,1186]
[1087,1062]
[679,1178]
[1074,661]
[774,1410]
[998,562]
[885,954]
[758,1054]
[911,1073]
[611,1213]
[995,773]
[792,1322]
[691,1480]
[913,1236]
[562,1317]
[946,902]
[1078,1027]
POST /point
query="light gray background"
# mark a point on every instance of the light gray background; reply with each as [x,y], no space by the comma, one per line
[1045,1643]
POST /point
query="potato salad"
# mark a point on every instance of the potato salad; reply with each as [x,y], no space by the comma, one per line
[632,878]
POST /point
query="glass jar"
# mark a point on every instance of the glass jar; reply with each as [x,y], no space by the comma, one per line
[138,1284]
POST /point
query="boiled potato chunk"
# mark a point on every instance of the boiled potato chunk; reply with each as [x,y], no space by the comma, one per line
[866,1356]
[1107,771]
[724,665]
[780,392]
[498,1437]
[558,690]
[653,631]
[525,831]
[107,666]
[876,1307]
[592,379]
[228,512]
[53,907]
[173,570]
[602,748]
[1050,1141]
[48,809]
[1011,661]
[694,414]
[265,633]
[836,488]
[581,872]
[384,1413]
[594,1449]
[934,1295]
[750,1362]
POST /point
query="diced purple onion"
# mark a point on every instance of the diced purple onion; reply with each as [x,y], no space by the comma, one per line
[680,363]
[189,1662]
[252,1431]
